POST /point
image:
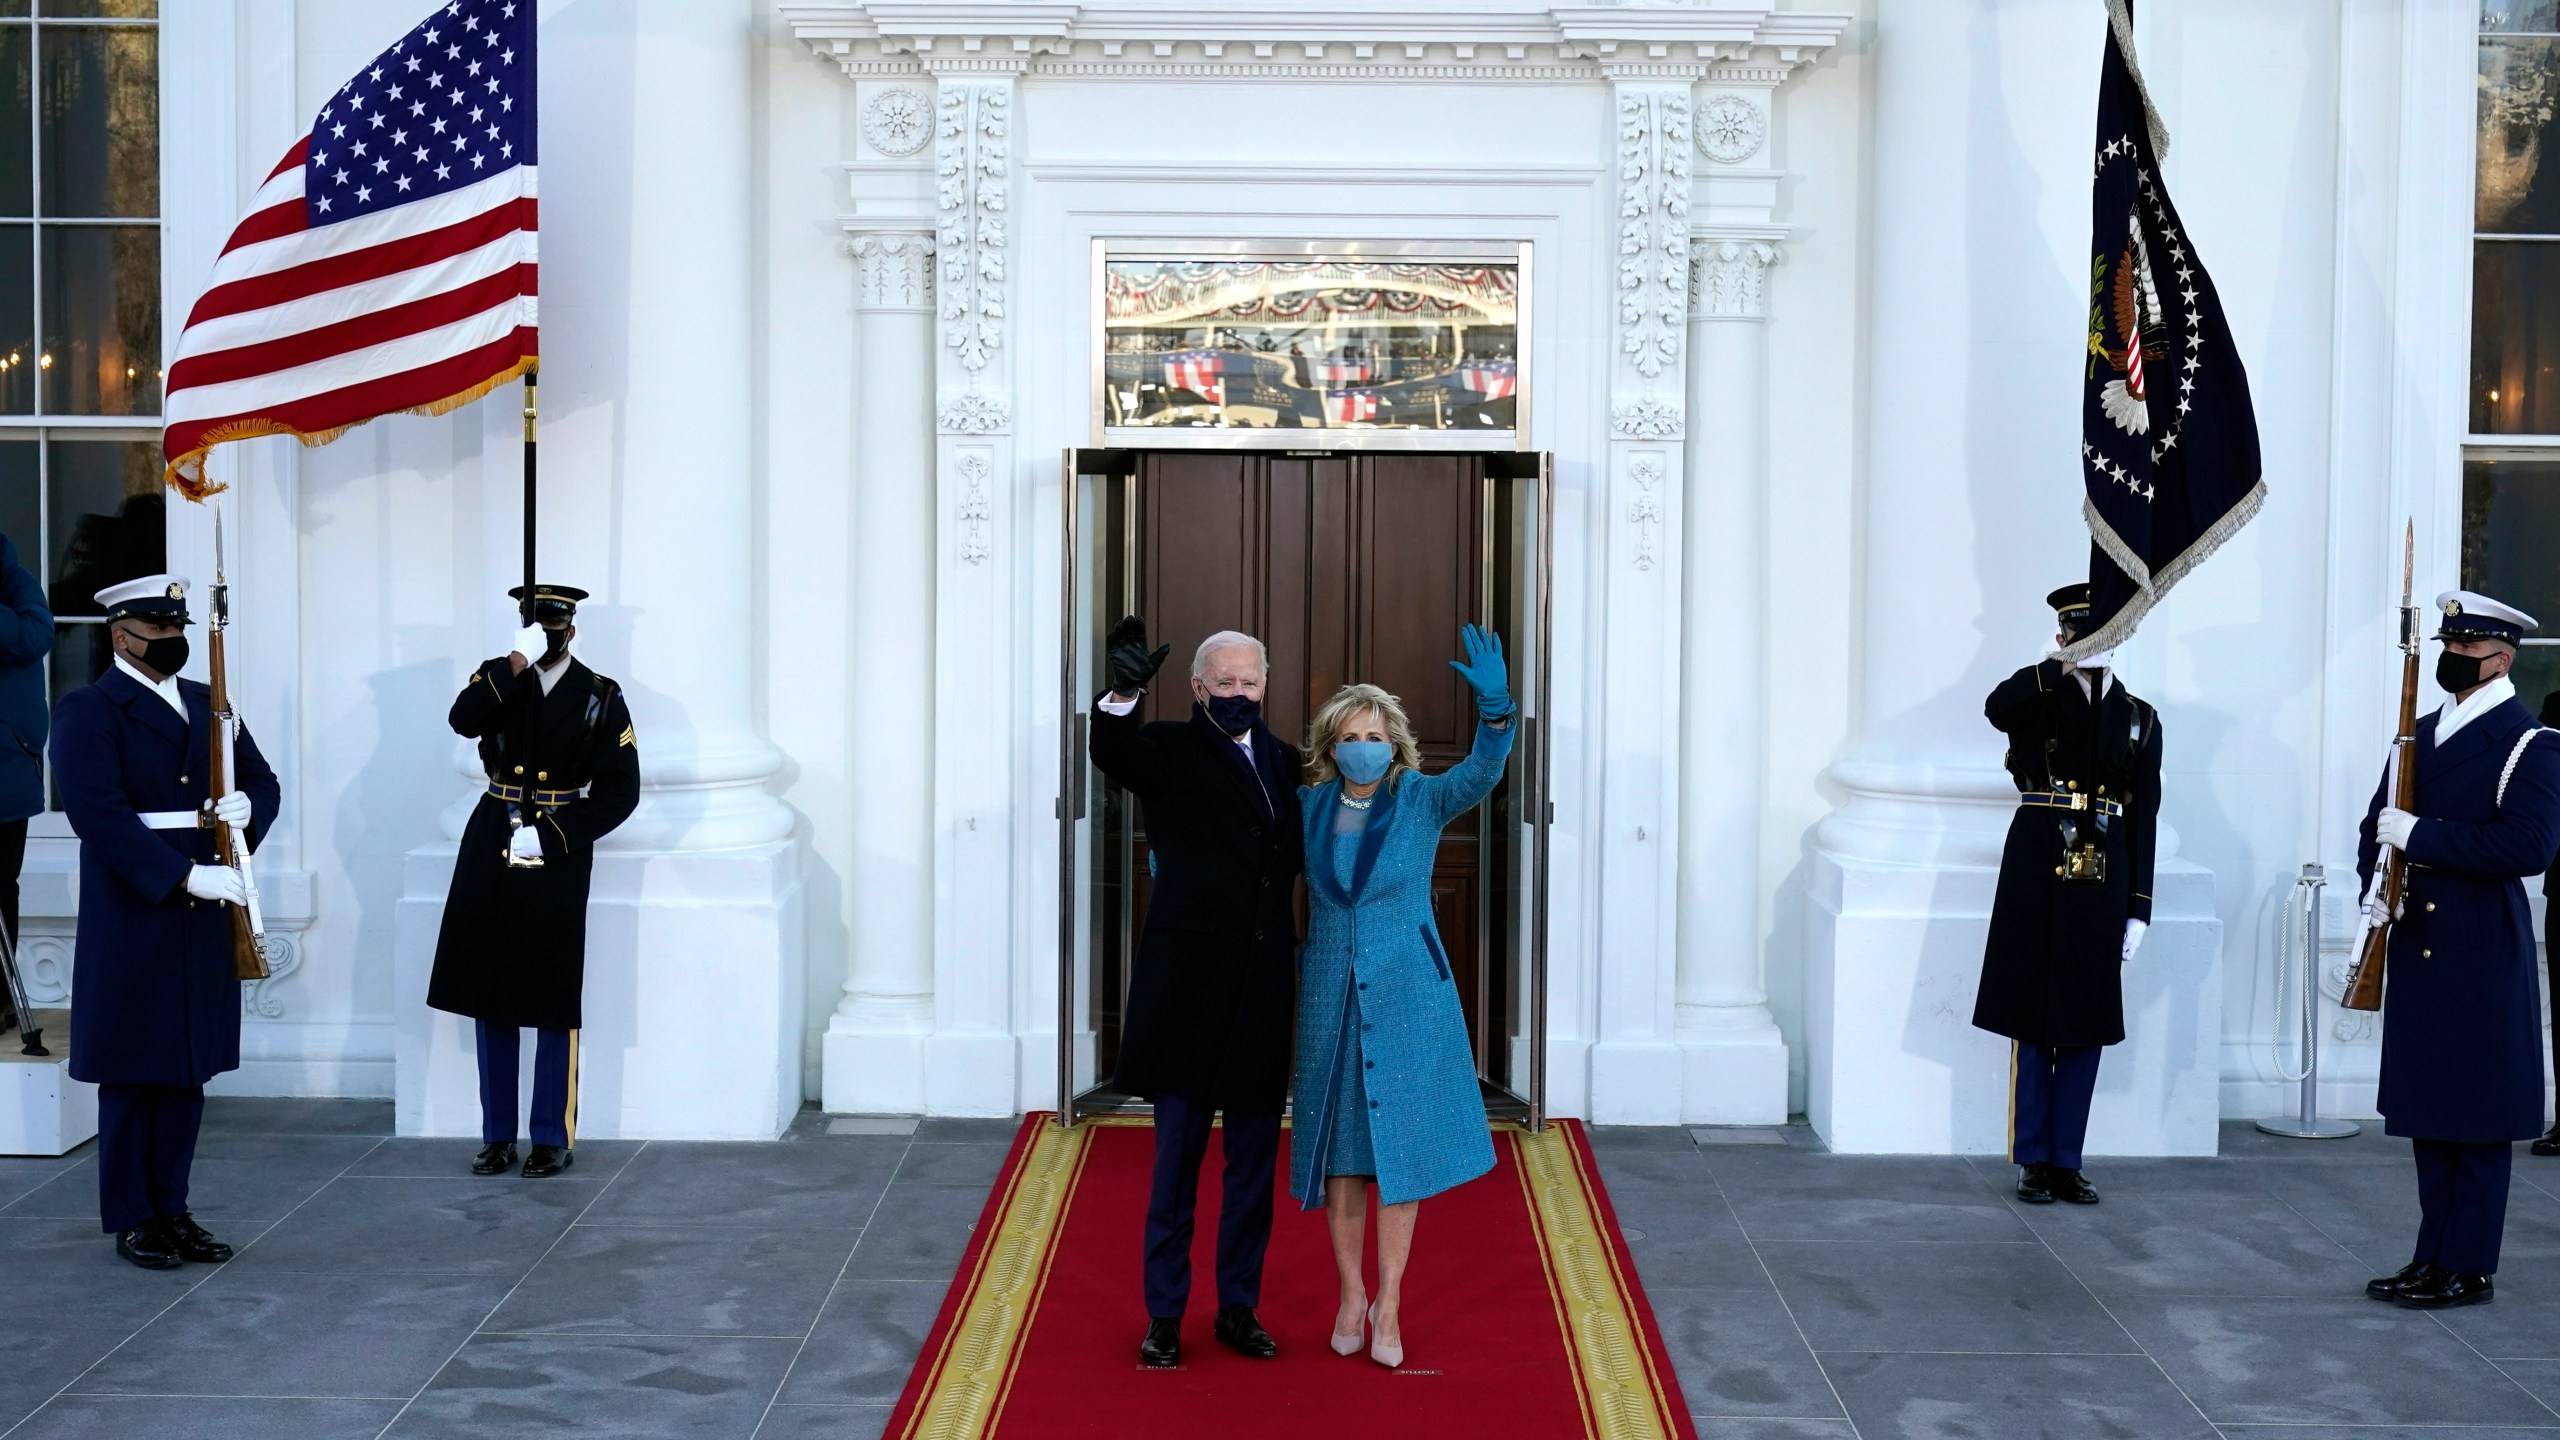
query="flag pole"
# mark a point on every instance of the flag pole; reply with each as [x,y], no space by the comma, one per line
[525,611]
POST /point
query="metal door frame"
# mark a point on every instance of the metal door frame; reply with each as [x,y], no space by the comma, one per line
[1074,465]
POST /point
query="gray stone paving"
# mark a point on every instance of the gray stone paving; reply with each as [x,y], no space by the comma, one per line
[781,1291]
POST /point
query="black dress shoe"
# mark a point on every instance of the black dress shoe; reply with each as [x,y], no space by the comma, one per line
[2443,1290]
[2549,1144]
[1239,1331]
[496,1159]
[149,1247]
[1162,1349]
[193,1242]
[2071,1187]
[2390,1286]
[2035,1185]
[543,1161]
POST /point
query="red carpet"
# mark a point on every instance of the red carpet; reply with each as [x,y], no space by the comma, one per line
[1522,1315]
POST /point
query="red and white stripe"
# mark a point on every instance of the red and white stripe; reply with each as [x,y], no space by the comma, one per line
[1347,406]
[308,331]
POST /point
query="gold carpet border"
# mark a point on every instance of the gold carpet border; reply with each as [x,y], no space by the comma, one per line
[1621,1394]
[965,1393]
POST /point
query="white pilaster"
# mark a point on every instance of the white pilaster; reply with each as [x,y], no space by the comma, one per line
[873,1054]
[1733,1063]
[694,934]
[1635,1066]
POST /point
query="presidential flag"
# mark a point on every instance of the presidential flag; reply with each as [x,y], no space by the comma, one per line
[387,265]
[2168,441]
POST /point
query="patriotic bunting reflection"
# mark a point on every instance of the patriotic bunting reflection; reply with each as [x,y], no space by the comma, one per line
[1348,406]
[1492,379]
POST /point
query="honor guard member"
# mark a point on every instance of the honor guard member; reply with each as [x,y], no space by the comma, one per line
[564,770]
[155,1000]
[2074,896]
[2549,1144]
[2462,1041]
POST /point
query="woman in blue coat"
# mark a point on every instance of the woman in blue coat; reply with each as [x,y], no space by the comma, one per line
[1386,1085]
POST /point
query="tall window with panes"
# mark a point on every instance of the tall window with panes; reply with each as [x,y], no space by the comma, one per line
[80,360]
[2511,465]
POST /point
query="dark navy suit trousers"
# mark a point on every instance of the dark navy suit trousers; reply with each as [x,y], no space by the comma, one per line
[1250,1151]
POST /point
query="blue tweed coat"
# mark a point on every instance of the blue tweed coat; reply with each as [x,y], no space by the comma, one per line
[1373,929]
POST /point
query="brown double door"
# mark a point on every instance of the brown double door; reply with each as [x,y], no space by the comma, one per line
[1349,568]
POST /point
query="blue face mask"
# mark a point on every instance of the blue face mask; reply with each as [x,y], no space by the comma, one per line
[1363,762]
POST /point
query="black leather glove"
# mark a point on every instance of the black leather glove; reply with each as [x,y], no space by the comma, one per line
[1132,664]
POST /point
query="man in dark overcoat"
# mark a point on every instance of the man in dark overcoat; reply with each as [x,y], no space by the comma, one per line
[564,770]
[1213,995]
[155,1000]
[2074,896]
[2462,1024]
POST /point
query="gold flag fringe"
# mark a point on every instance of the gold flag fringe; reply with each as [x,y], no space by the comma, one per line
[186,473]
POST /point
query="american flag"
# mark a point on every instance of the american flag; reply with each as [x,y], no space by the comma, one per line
[1493,379]
[1194,370]
[1349,405]
[388,264]
[1341,372]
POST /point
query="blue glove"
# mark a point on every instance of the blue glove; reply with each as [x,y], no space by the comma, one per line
[1484,673]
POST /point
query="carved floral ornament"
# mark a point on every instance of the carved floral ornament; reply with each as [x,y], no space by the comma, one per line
[893,270]
[1728,276]
[1730,129]
[897,121]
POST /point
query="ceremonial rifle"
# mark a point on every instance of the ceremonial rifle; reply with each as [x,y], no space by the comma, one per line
[2391,867]
[248,927]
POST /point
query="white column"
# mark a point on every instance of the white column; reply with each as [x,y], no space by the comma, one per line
[1969,515]
[694,972]
[1733,1061]
[874,1047]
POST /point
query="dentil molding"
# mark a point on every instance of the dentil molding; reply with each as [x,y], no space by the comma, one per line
[1739,43]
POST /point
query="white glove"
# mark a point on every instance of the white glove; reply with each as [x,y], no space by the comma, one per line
[2392,828]
[2377,912]
[2133,936]
[234,810]
[532,642]
[217,882]
[525,843]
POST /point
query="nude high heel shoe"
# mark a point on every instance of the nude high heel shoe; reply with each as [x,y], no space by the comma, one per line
[1385,1354]
[1346,1345]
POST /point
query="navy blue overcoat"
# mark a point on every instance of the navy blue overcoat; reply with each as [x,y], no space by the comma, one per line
[1373,929]
[2461,1012]
[154,998]
[26,637]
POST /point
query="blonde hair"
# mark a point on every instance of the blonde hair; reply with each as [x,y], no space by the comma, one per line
[1346,705]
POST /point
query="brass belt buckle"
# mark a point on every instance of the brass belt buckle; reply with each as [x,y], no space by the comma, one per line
[2084,862]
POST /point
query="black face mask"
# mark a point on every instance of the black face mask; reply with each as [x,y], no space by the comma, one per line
[555,643]
[1235,714]
[166,655]
[2456,673]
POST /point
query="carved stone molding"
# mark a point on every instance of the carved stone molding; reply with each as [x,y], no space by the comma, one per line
[1653,228]
[1208,40]
[1645,469]
[44,965]
[1728,277]
[972,166]
[1647,418]
[258,998]
[898,120]
[975,511]
[894,270]
[1731,128]
[974,412]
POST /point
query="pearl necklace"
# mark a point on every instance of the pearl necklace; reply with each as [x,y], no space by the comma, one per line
[1359,804]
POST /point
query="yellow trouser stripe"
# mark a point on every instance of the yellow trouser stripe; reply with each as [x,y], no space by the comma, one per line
[569,1121]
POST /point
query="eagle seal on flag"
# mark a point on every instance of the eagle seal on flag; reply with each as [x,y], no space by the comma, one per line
[2168,438]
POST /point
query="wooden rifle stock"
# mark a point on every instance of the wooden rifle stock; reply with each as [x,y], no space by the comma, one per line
[2364,984]
[248,957]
